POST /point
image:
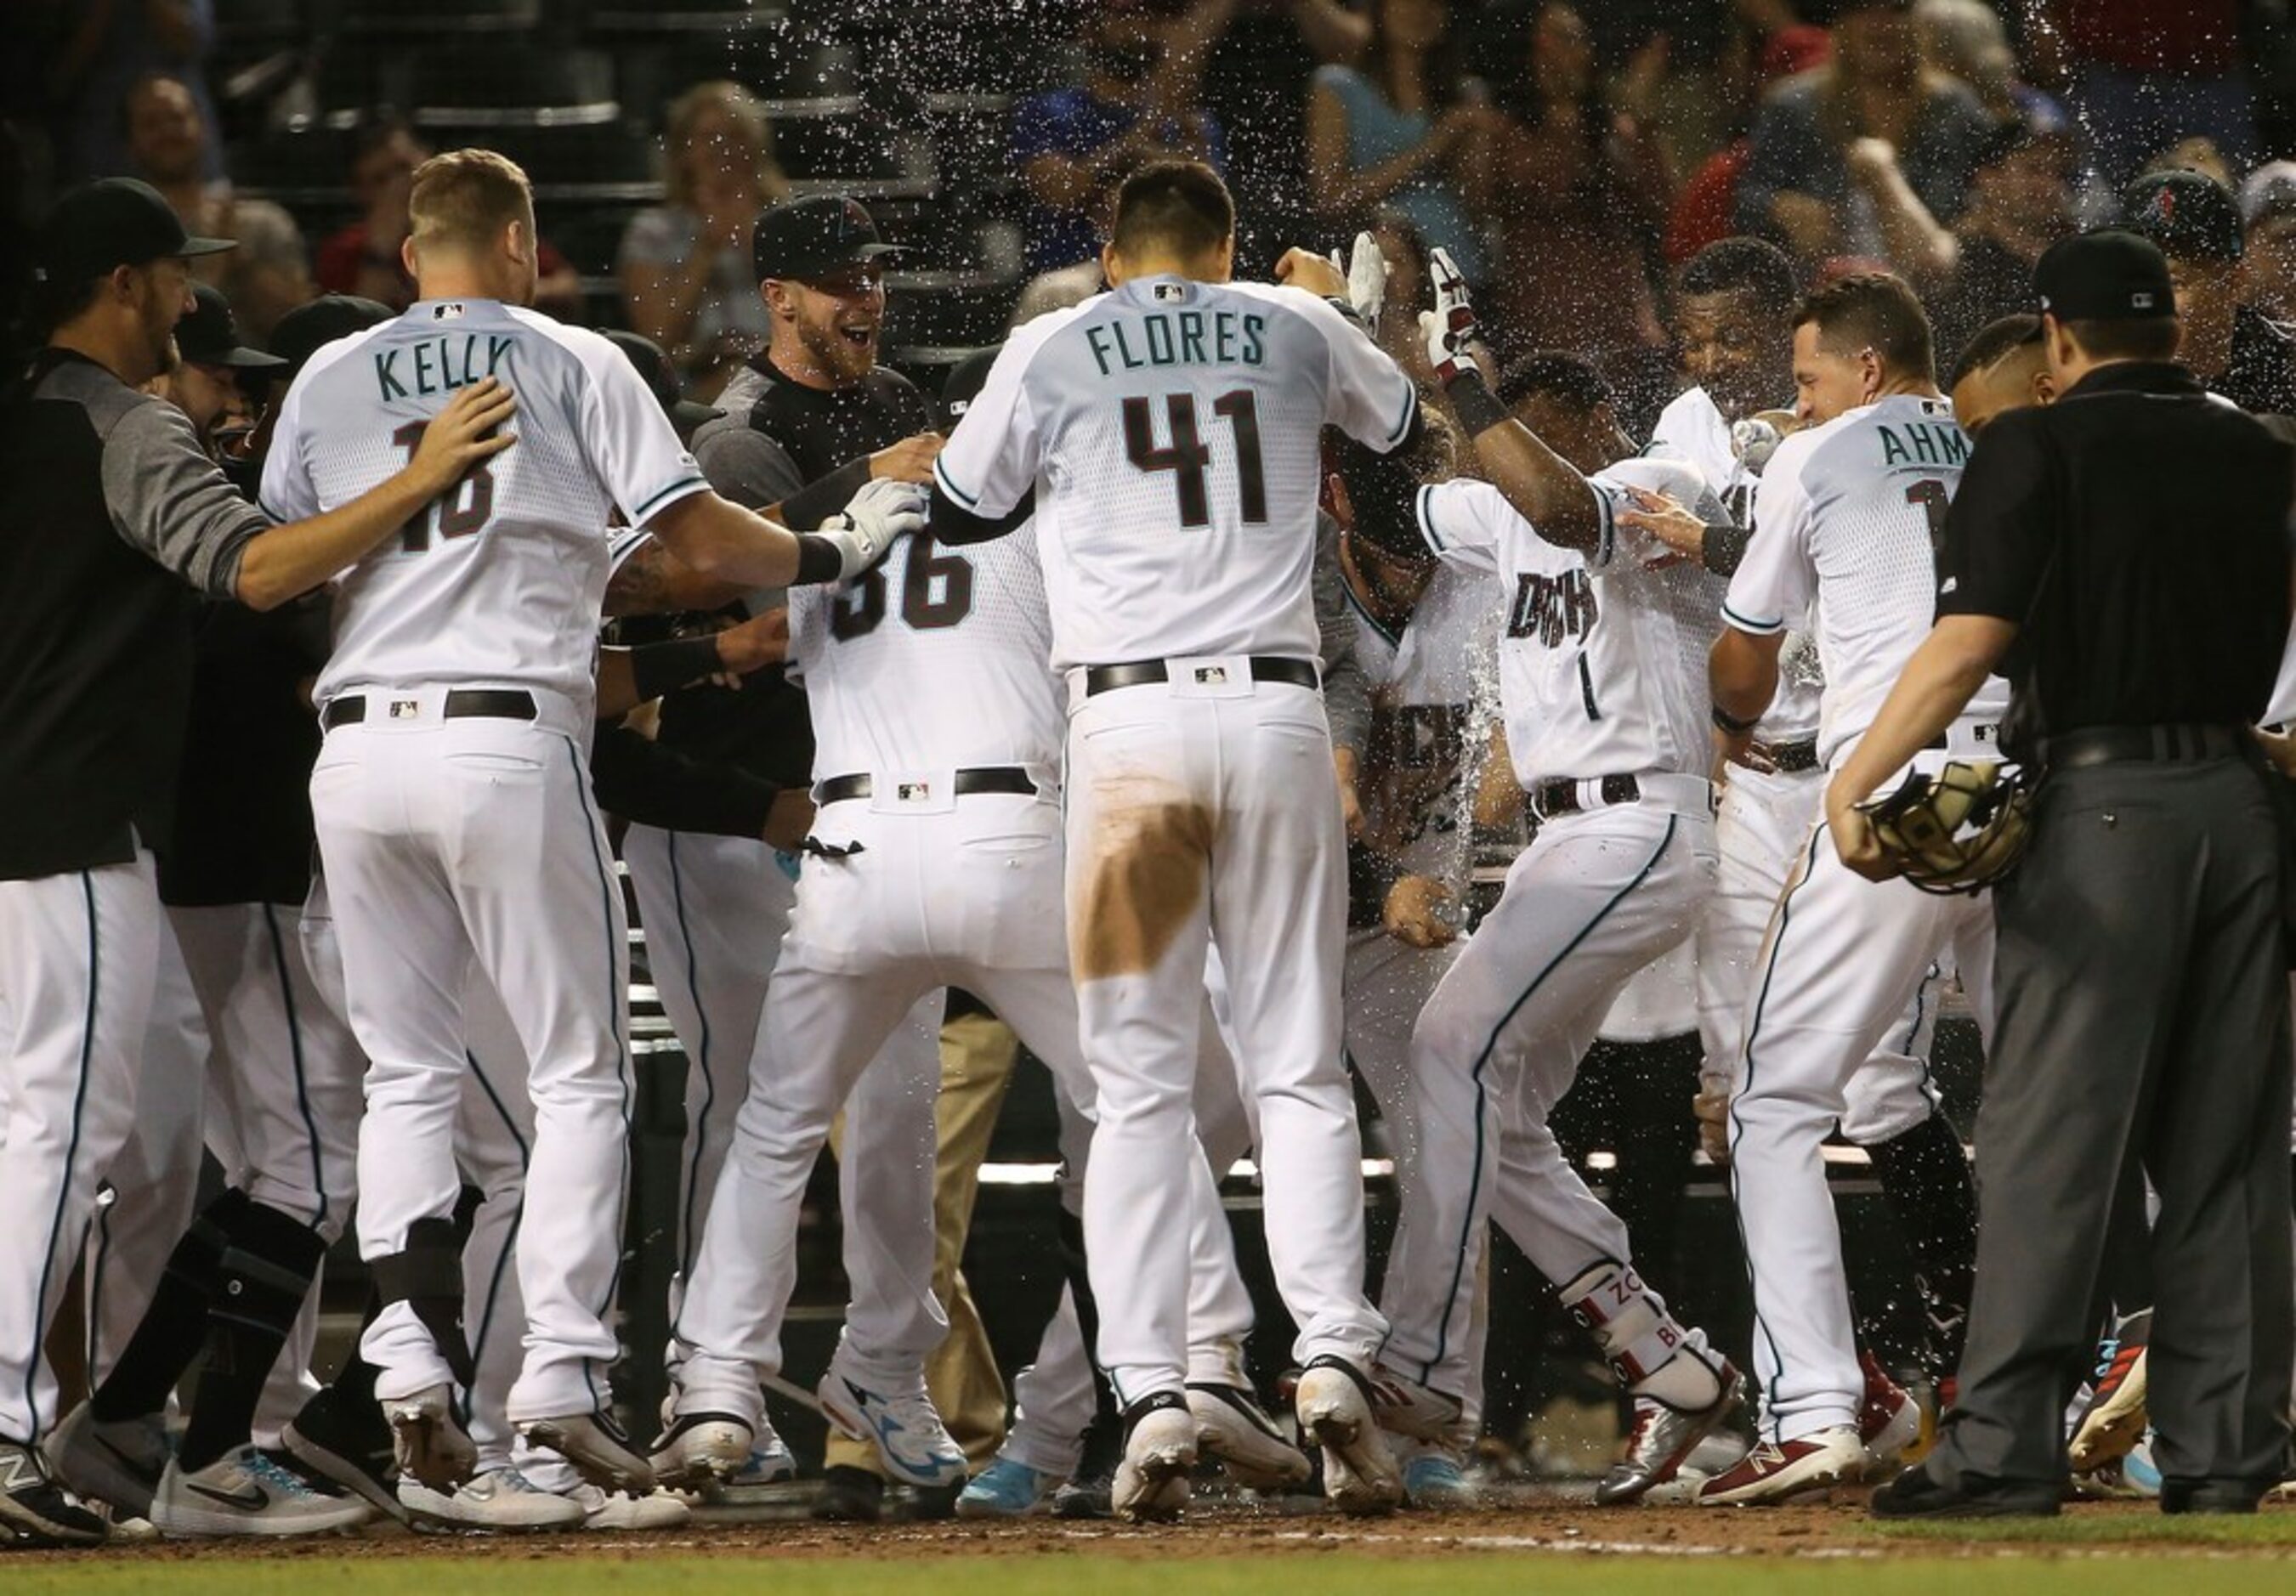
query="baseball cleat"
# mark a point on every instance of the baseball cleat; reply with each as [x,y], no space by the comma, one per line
[1008,1489]
[599,1451]
[117,1464]
[1233,1429]
[1409,1408]
[1663,1436]
[426,1442]
[37,1511]
[246,1492]
[1334,1404]
[1779,1471]
[2113,1422]
[618,1510]
[350,1445]
[899,1419]
[1890,1423]
[1160,1441]
[705,1449]
[501,1501]
[1434,1481]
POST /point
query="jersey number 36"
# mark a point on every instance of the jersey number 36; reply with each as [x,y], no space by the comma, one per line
[936,593]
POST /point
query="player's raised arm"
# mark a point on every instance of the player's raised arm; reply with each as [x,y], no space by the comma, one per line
[720,539]
[1542,486]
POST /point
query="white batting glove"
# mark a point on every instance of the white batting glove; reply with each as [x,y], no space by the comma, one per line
[1366,270]
[883,510]
[1754,440]
[1450,328]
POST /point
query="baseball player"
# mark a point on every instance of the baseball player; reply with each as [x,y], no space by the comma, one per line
[1604,736]
[452,800]
[1845,519]
[1169,429]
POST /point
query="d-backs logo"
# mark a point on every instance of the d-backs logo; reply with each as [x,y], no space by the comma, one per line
[1553,607]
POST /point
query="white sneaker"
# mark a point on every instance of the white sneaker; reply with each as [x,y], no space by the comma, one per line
[770,1463]
[245,1493]
[899,1419]
[117,1464]
[427,1442]
[657,1510]
[1333,1401]
[1409,1408]
[499,1500]
[1160,1451]
[1232,1427]
[703,1449]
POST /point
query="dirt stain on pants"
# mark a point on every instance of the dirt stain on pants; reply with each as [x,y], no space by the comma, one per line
[1151,859]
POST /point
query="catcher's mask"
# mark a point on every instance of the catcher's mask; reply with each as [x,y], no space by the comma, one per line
[1960,828]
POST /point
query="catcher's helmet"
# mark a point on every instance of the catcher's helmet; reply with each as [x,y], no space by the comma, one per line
[1958,830]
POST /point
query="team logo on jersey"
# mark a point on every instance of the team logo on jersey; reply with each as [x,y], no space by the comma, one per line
[1553,607]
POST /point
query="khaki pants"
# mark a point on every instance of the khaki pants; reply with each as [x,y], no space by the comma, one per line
[977,1052]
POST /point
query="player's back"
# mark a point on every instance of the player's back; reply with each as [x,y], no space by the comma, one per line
[932,662]
[501,580]
[1425,683]
[1175,430]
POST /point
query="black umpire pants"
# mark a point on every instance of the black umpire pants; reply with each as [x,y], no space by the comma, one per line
[2143,1013]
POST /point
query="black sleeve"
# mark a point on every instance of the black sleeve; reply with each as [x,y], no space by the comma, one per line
[2001,530]
[817,502]
[1723,548]
[953,524]
[641,781]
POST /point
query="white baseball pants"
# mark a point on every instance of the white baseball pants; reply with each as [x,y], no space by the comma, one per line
[450,844]
[1596,897]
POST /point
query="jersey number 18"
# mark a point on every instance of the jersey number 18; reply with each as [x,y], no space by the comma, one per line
[461,510]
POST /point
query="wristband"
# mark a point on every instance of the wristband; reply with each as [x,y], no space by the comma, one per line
[660,667]
[1731,723]
[818,559]
[1479,409]
[817,502]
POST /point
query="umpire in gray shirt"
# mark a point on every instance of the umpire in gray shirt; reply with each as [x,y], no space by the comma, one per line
[109,511]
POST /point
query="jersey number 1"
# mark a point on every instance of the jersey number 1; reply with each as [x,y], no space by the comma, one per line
[1187,457]
[462,510]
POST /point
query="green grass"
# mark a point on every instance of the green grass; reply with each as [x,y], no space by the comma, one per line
[1087,1574]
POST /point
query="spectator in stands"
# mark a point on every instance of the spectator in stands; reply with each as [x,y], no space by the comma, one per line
[2143,73]
[686,280]
[2021,202]
[1140,101]
[1801,186]
[115,43]
[1965,39]
[1399,131]
[1706,211]
[1257,73]
[268,274]
[2268,203]
[367,259]
[1580,190]
[2227,342]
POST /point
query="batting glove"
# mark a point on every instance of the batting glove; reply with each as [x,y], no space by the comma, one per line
[1450,328]
[1366,270]
[883,510]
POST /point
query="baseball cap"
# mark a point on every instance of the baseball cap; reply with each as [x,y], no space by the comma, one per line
[2187,213]
[209,336]
[113,222]
[813,237]
[963,383]
[2111,274]
[661,376]
[2269,192]
[309,328]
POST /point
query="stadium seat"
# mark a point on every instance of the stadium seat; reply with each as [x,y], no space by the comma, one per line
[466,89]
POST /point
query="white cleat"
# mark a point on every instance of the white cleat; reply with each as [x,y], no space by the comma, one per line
[426,1441]
[502,1501]
[704,1449]
[598,1450]
[1334,1405]
[1233,1427]
[1161,1442]
[657,1510]
[1780,1471]
[244,1492]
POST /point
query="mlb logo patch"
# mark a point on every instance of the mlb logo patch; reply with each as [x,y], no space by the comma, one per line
[912,792]
[2141,301]
[444,313]
[1169,293]
[404,709]
[1211,676]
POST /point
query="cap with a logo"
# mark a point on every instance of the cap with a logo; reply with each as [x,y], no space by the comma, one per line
[310,327]
[661,376]
[2190,215]
[815,237]
[209,336]
[963,383]
[113,222]
[2109,275]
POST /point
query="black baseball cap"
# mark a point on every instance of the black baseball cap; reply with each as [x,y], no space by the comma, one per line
[209,336]
[661,376]
[813,237]
[2188,214]
[963,383]
[2111,274]
[309,328]
[113,222]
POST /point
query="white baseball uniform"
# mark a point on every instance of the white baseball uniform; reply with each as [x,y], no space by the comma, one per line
[1764,817]
[458,828]
[1171,431]
[1845,522]
[1608,739]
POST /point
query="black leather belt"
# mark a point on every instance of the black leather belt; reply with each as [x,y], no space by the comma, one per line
[2112,745]
[1561,796]
[462,703]
[1792,758]
[1265,668]
[986,778]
